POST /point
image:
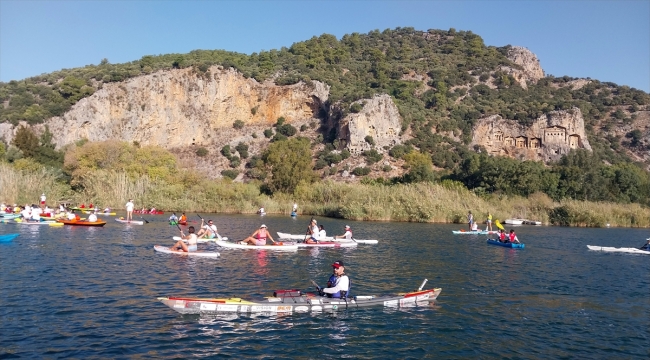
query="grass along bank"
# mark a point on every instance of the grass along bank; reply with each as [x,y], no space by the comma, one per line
[447,202]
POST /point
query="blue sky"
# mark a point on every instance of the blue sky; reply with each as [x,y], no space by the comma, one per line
[604,40]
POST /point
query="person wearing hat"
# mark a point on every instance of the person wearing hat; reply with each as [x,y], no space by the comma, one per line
[312,231]
[209,230]
[347,235]
[338,285]
[129,210]
[259,237]
[43,200]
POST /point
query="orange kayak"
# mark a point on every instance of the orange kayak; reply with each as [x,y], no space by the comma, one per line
[82,222]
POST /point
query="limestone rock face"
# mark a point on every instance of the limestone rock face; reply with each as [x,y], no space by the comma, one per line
[379,118]
[547,139]
[532,70]
[178,108]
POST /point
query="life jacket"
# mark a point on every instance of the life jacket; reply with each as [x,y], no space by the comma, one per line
[502,236]
[512,237]
[183,218]
[261,235]
[76,217]
[337,295]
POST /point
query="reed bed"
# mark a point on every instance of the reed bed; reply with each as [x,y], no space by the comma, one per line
[424,202]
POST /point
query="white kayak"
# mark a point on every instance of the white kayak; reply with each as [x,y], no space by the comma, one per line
[327,238]
[132,222]
[233,245]
[327,244]
[202,240]
[166,250]
[615,249]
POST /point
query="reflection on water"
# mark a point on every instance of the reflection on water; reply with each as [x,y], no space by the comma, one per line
[69,291]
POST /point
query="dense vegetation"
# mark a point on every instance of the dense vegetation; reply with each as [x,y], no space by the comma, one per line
[464,81]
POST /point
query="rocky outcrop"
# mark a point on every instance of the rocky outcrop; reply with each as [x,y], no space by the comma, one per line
[547,139]
[530,71]
[379,118]
[177,108]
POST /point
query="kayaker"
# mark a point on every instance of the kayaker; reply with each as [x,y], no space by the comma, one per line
[646,246]
[92,218]
[36,213]
[474,227]
[173,219]
[502,236]
[152,211]
[347,235]
[321,233]
[183,219]
[258,237]
[338,285]
[470,220]
[107,210]
[312,231]
[26,213]
[512,237]
[191,241]
[261,211]
[208,231]
[489,221]
[129,210]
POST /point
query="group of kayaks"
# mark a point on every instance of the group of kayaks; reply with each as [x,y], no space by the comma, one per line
[328,242]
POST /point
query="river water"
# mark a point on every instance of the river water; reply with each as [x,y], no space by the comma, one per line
[75,292]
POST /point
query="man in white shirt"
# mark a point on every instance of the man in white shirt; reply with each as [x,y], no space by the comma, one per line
[129,210]
[347,235]
[36,213]
[341,283]
[208,231]
[43,200]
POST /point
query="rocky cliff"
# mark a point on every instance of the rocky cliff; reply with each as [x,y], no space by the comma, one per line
[178,108]
[547,139]
[530,71]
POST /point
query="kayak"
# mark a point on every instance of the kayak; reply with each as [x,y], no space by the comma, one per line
[182,223]
[327,244]
[132,222]
[9,216]
[478,232]
[508,244]
[173,223]
[7,237]
[201,240]
[295,301]
[31,222]
[157,212]
[100,213]
[327,238]
[82,222]
[615,249]
[166,250]
[280,246]
[294,214]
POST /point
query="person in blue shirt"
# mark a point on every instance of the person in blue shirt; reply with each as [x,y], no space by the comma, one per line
[646,246]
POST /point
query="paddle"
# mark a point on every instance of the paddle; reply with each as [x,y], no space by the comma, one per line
[318,288]
[203,221]
[145,220]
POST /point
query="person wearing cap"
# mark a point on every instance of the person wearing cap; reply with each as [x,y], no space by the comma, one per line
[259,237]
[312,231]
[191,241]
[43,200]
[347,235]
[129,210]
[646,246]
[338,285]
[209,230]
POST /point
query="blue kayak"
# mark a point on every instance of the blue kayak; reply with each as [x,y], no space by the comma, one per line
[508,244]
[294,214]
[7,237]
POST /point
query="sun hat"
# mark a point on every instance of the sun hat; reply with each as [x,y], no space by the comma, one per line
[347,226]
[263,226]
[337,264]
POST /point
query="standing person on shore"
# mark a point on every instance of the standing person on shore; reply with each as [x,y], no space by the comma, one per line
[470,220]
[129,210]
[43,200]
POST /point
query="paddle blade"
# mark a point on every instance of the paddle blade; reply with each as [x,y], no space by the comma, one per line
[498,224]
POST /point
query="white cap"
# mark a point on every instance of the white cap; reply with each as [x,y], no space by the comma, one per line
[347,226]
[263,226]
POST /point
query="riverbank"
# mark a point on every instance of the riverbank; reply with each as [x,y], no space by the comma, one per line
[447,202]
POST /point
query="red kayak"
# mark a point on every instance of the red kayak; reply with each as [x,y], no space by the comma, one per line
[157,212]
